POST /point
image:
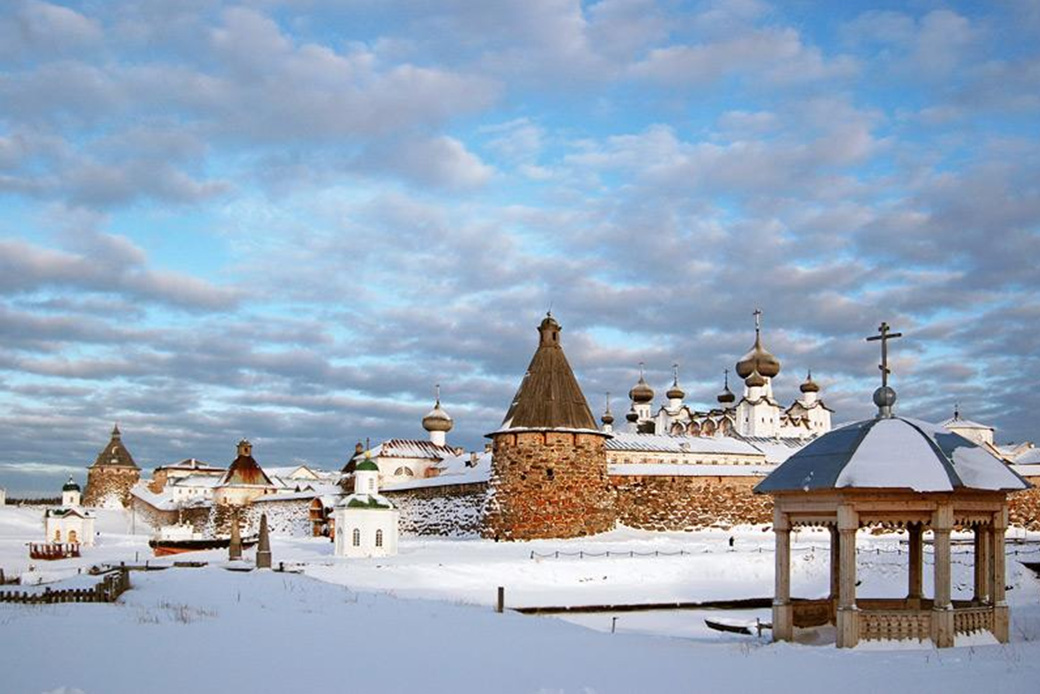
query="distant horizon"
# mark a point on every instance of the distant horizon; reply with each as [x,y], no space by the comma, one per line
[290,221]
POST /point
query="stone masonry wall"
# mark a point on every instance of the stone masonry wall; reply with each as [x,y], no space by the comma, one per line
[109,486]
[689,503]
[449,511]
[548,485]
[1024,506]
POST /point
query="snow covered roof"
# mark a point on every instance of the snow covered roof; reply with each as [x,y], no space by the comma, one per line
[687,470]
[958,422]
[892,453]
[411,448]
[207,481]
[191,464]
[666,443]
[777,449]
[454,470]
[1030,457]
[161,502]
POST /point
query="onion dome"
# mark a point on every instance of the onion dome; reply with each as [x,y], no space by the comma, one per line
[437,419]
[755,380]
[726,396]
[608,417]
[758,358]
[675,392]
[892,453]
[70,486]
[810,386]
[632,416]
[367,465]
[641,392]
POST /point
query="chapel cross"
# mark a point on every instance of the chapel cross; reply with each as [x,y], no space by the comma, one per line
[757,313]
[885,336]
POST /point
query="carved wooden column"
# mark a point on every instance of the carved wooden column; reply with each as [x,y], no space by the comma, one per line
[942,609]
[848,615]
[835,569]
[783,612]
[915,581]
[1001,626]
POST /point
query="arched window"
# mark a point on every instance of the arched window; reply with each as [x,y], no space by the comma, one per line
[379,538]
[73,538]
[57,535]
[357,537]
[404,471]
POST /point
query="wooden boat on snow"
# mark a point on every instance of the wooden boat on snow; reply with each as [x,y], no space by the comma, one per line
[180,538]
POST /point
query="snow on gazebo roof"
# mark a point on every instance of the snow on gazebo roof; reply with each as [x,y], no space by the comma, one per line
[892,453]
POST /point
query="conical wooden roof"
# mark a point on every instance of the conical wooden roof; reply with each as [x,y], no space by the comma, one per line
[549,397]
[115,454]
[245,470]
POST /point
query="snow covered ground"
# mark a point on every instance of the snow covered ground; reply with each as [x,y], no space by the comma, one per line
[422,621]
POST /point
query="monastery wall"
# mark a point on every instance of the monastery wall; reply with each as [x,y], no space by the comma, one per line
[448,511]
[550,484]
[1024,506]
[688,502]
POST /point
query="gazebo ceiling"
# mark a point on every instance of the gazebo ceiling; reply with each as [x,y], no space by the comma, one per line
[892,453]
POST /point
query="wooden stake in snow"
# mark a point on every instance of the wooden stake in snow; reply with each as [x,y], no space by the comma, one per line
[500,605]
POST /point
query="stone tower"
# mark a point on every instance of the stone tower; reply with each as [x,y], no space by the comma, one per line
[549,460]
[112,475]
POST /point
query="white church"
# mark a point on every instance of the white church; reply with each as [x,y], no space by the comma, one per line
[70,523]
[756,415]
[366,522]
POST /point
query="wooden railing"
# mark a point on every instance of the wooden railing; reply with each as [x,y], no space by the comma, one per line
[968,620]
[111,586]
[895,625]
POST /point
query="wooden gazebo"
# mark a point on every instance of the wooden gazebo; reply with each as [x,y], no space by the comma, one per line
[901,473]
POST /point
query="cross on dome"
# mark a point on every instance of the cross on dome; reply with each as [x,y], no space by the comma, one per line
[884,397]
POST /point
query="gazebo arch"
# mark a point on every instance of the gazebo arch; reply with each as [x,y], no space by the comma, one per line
[903,472]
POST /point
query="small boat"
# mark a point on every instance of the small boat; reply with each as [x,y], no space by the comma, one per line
[733,626]
[180,538]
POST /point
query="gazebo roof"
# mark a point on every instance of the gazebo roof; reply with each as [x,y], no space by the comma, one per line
[892,453]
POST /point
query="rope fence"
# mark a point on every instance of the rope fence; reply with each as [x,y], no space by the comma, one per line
[927,550]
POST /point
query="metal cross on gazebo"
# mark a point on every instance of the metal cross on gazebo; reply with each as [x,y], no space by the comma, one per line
[885,336]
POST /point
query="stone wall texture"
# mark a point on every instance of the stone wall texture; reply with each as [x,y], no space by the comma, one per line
[550,484]
[109,486]
[1024,507]
[688,503]
[449,511]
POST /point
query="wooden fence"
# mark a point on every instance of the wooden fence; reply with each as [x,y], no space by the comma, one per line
[108,589]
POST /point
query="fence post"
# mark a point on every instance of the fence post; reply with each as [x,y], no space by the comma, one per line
[501,602]
[47,595]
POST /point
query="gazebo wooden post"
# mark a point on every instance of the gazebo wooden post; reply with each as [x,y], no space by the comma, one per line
[835,570]
[1001,625]
[942,608]
[783,612]
[983,532]
[848,614]
[915,587]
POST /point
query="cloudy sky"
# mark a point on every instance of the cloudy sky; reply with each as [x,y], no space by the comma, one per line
[288,220]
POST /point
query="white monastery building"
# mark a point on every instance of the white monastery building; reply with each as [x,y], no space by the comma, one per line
[366,523]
